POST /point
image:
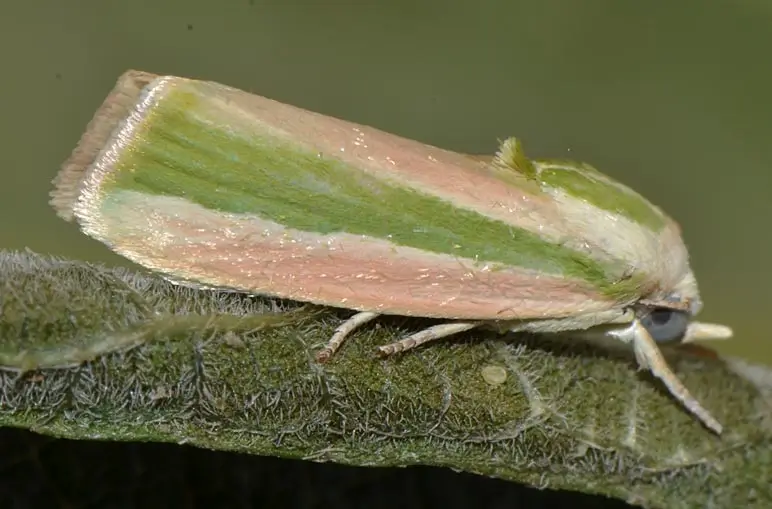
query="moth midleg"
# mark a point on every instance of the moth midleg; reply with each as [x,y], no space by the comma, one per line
[429,334]
[342,332]
[649,356]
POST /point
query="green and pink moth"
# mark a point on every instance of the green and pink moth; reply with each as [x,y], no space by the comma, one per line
[218,188]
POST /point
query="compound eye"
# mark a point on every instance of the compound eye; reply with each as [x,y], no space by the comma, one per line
[666,325]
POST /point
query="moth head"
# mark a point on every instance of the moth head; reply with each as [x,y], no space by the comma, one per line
[669,318]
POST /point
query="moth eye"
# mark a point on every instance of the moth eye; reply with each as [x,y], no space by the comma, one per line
[666,325]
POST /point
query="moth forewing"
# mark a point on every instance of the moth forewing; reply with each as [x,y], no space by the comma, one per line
[218,188]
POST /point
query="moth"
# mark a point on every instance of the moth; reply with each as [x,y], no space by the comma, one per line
[219,188]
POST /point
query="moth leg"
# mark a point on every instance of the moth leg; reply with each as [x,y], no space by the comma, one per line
[342,332]
[649,356]
[430,334]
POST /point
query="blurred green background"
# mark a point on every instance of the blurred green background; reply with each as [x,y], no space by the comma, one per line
[672,98]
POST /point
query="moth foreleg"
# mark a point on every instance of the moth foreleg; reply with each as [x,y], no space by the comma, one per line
[649,356]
